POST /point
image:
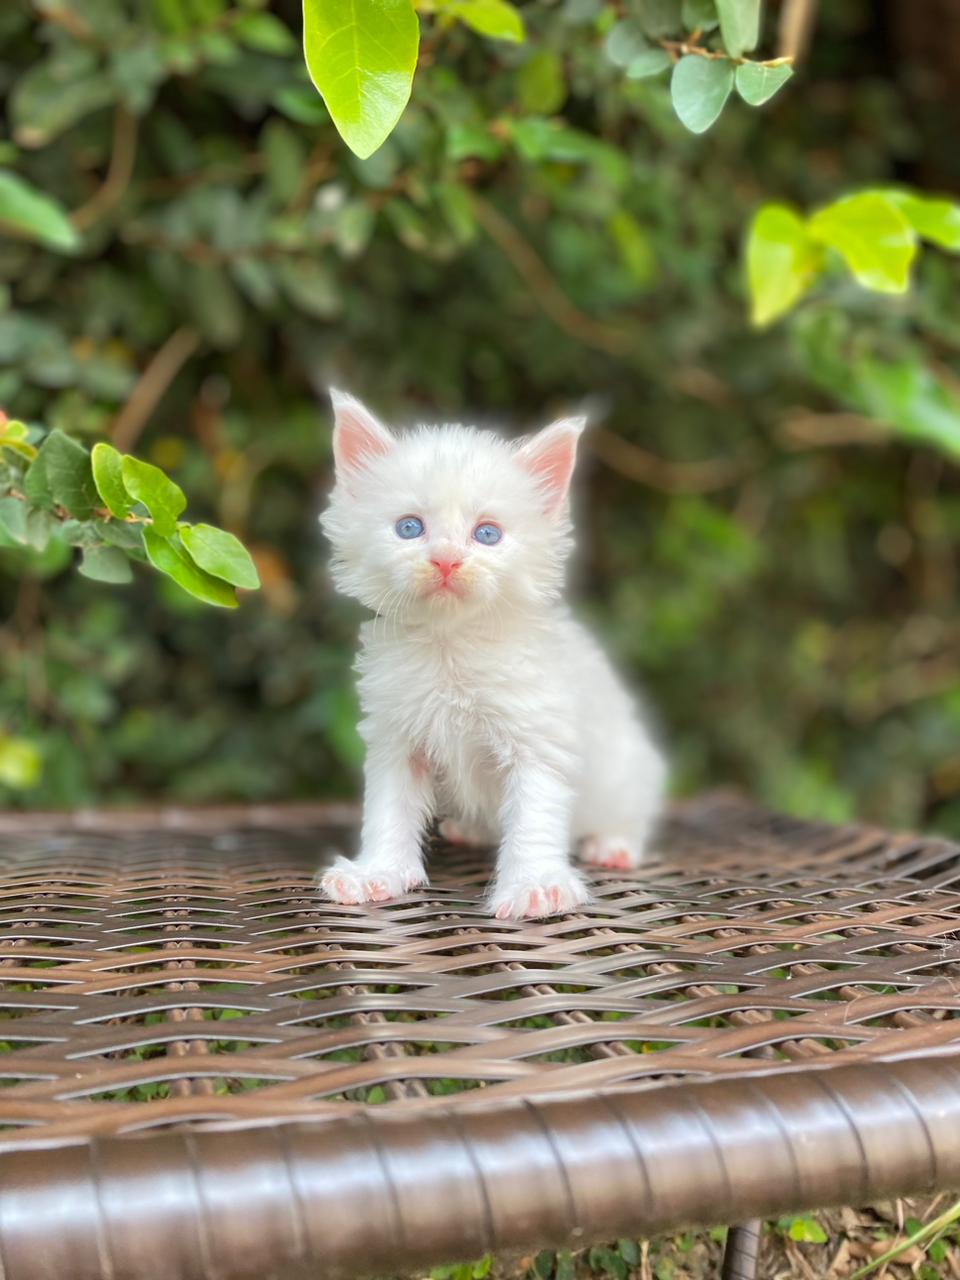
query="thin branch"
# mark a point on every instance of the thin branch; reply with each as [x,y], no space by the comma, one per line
[151,386]
[804,430]
[682,48]
[119,172]
[662,473]
[795,30]
[544,289]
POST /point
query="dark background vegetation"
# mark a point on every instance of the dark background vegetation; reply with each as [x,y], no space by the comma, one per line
[779,572]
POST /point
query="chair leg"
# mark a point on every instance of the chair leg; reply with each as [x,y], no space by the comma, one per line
[742,1253]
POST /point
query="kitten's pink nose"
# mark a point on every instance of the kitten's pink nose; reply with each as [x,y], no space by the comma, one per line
[446,568]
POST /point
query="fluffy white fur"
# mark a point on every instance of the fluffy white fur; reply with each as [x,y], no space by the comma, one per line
[484,702]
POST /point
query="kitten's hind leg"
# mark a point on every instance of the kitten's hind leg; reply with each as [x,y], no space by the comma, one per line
[620,852]
[462,831]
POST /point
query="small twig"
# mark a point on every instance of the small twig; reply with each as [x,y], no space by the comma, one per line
[804,430]
[544,289]
[151,385]
[119,172]
[661,473]
[795,30]
[62,15]
[682,48]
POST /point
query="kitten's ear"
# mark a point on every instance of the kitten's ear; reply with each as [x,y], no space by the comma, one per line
[357,435]
[549,456]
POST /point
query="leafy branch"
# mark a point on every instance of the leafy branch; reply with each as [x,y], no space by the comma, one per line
[362,59]
[116,509]
[875,236]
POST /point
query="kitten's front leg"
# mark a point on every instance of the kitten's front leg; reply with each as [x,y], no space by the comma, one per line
[397,805]
[534,876]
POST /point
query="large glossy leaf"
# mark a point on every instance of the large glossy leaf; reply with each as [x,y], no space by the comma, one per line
[739,25]
[873,236]
[61,476]
[782,261]
[108,477]
[169,556]
[30,212]
[221,554]
[361,55]
[162,498]
[699,88]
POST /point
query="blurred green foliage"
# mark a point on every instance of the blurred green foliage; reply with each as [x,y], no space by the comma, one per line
[538,233]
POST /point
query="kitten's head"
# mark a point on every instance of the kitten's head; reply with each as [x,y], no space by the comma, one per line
[443,523]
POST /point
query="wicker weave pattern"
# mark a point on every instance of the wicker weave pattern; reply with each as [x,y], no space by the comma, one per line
[170,975]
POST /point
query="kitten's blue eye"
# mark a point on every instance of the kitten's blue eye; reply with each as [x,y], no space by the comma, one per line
[488,534]
[409,527]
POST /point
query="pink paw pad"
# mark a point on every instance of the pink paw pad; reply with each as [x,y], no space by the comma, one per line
[340,888]
[376,891]
[612,852]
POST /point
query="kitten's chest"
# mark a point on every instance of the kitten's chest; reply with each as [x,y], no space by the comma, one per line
[437,693]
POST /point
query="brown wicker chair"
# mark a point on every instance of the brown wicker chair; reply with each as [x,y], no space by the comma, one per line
[213,1074]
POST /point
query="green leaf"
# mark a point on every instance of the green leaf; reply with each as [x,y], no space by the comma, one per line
[807,1229]
[543,1265]
[541,87]
[40,529]
[120,533]
[108,477]
[625,41]
[32,213]
[20,763]
[162,498]
[874,238]
[910,399]
[700,15]
[782,262]
[105,564]
[756,84]
[699,88]
[221,554]
[14,436]
[495,19]
[167,555]
[265,33]
[362,57]
[935,220]
[60,475]
[649,63]
[13,518]
[660,18]
[739,25]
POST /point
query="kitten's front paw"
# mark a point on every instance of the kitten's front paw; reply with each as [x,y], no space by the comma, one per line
[348,883]
[618,852]
[557,893]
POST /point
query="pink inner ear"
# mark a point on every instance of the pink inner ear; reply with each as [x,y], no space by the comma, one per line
[550,456]
[357,435]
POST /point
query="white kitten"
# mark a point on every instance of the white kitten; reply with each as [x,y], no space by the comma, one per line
[483,700]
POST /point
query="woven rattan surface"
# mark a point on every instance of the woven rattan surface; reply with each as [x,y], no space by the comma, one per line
[212,1074]
[163,974]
